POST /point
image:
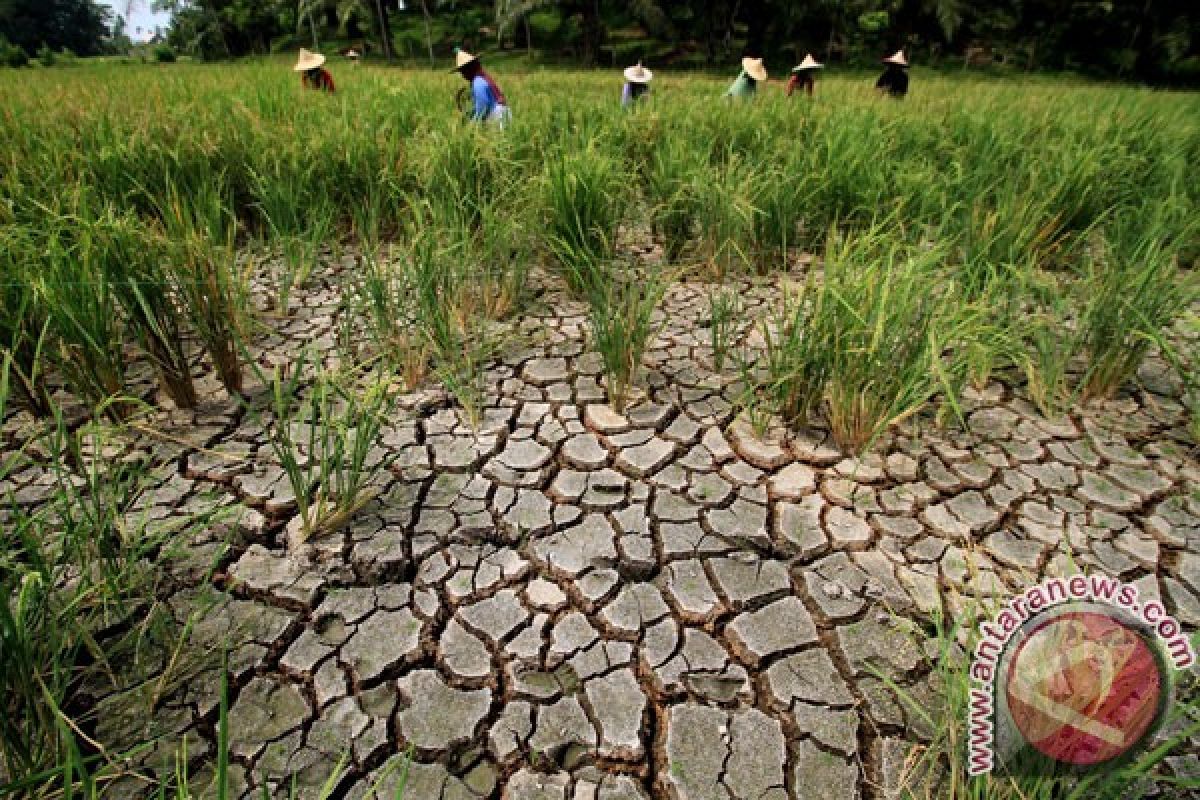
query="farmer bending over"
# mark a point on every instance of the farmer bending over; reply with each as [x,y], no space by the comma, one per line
[637,84]
[753,73]
[489,103]
[894,80]
[313,75]
[804,76]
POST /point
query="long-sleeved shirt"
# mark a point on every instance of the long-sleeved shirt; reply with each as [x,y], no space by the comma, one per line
[894,81]
[484,97]
[744,86]
[799,79]
[633,92]
[318,78]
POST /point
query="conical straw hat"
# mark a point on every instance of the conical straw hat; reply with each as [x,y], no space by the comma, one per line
[638,74]
[754,68]
[897,58]
[808,63]
[308,60]
[462,58]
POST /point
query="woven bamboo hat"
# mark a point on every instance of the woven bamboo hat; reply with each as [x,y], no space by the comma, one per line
[897,58]
[462,58]
[638,74]
[754,68]
[308,60]
[808,63]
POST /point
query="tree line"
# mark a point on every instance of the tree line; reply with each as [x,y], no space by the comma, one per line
[1156,41]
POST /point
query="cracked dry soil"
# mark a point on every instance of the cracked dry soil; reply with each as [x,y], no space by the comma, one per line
[567,603]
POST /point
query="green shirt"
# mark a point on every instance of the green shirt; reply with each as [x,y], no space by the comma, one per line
[743,87]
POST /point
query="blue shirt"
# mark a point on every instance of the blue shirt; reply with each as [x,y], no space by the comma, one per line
[485,98]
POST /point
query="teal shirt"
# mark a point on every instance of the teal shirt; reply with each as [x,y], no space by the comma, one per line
[743,87]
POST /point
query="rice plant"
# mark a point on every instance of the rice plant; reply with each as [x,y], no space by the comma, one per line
[726,218]
[23,320]
[584,202]
[204,276]
[1134,289]
[724,319]
[72,575]
[1049,348]
[132,260]
[502,252]
[621,313]
[674,181]
[324,438]
[383,299]
[81,311]
[446,316]
[864,345]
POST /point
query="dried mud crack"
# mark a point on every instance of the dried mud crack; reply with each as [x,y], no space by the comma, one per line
[566,603]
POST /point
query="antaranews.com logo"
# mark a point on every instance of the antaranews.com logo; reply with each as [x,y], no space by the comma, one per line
[1078,668]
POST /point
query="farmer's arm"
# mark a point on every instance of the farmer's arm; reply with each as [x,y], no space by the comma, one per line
[791,84]
[329,83]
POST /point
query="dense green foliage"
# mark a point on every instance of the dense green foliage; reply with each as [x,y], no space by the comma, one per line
[1157,40]
[82,26]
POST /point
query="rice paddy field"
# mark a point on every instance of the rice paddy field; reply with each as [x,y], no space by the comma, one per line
[352,450]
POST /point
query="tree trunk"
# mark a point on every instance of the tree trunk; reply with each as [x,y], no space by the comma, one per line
[428,30]
[385,29]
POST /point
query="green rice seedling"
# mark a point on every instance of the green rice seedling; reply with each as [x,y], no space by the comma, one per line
[674,180]
[502,252]
[297,217]
[462,168]
[583,192]
[326,442]
[72,573]
[793,368]
[1134,289]
[866,340]
[885,334]
[726,218]
[779,208]
[204,277]
[387,302]
[724,317]
[446,316]
[23,321]
[298,257]
[848,166]
[1049,347]
[621,314]
[81,310]
[132,259]
[1016,235]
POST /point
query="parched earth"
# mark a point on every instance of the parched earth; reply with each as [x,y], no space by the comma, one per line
[566,603]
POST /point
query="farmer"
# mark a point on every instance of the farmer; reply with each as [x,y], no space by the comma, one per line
[894,80]
[804,76]
[313,75]
[488,101]
[637,84]
[753,73]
